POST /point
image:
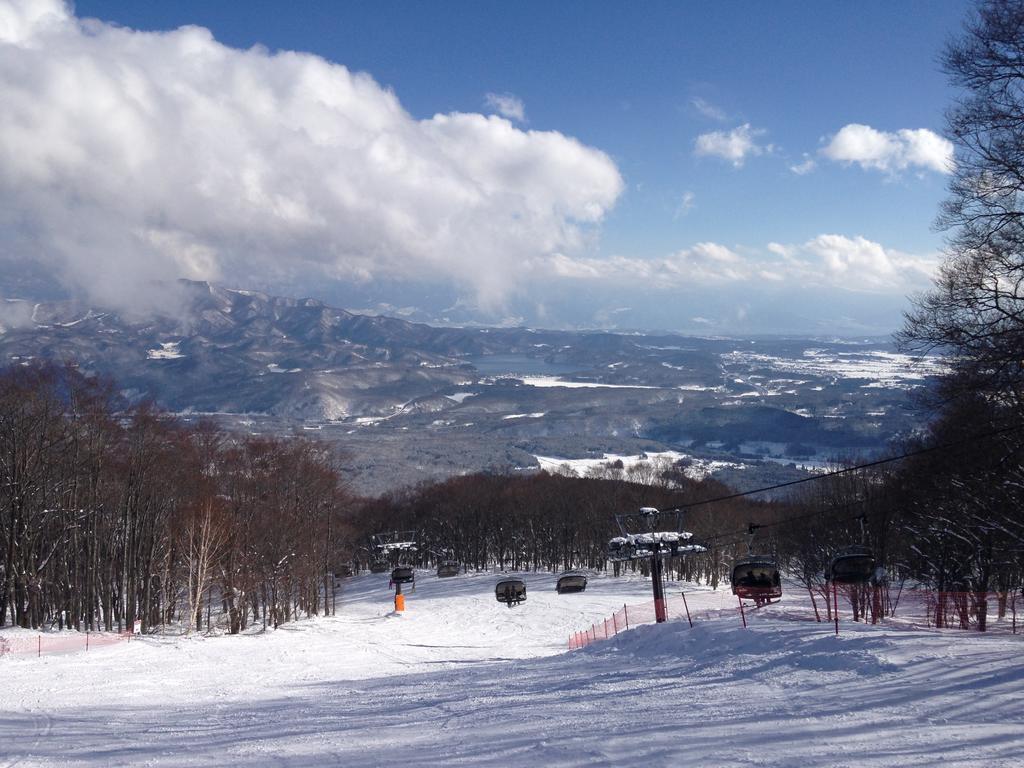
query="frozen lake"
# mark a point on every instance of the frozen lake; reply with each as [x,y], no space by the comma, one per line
[523,365]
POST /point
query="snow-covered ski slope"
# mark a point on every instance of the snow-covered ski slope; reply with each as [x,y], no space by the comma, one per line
[460,679]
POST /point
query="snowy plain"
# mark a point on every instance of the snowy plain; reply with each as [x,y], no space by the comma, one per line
[460,679]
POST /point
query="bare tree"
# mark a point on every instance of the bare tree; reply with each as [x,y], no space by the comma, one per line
[975,312]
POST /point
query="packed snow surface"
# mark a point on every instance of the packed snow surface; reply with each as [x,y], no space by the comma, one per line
[460,679]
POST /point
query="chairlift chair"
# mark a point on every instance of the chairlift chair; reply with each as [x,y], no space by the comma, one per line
[619,549]
[403,574]
[756,578]
[510,591]
[571,582]
[853,565]
[378,566]
[447,568]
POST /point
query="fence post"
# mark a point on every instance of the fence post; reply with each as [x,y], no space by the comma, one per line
[742,614]
[615,623]
[40,652]
[687,607]
[835,603]
[625,613]
[87,639]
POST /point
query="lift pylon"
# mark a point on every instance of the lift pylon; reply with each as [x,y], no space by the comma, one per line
[662,536]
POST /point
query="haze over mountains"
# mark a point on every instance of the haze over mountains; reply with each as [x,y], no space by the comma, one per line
[408,401]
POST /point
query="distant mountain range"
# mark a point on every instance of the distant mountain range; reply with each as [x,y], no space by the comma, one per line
[247,352]
[413,401]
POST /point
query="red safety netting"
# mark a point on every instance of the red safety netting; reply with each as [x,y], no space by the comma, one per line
[36,644]
[994,612]
[977,611]
[696,607]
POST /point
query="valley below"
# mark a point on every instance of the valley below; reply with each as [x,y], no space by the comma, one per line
[406,403]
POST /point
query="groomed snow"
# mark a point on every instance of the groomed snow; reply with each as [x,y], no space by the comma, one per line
[460,679]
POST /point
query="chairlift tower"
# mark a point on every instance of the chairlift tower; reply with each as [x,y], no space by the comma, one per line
[393,545]
[662,536]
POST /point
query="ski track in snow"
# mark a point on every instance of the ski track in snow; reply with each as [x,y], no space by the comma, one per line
[460,679]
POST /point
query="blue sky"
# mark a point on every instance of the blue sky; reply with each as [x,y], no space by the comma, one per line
[638,85]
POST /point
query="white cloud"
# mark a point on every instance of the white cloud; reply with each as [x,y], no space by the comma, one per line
[704,262]
[735,145]
[506,105]
[851,264]
[828,261]
[685,204]
[890,152]
[709,110]
[805,166]
[130,156]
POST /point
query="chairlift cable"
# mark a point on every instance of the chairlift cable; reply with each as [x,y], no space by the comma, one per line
[795,518]
[846,470]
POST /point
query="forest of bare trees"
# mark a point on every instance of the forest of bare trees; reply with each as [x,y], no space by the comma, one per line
[113,514]
[544,521]
[116,514]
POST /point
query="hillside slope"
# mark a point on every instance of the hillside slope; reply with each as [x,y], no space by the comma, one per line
[462,680]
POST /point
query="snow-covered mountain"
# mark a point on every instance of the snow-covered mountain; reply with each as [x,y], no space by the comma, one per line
[245,352]
[417,402]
